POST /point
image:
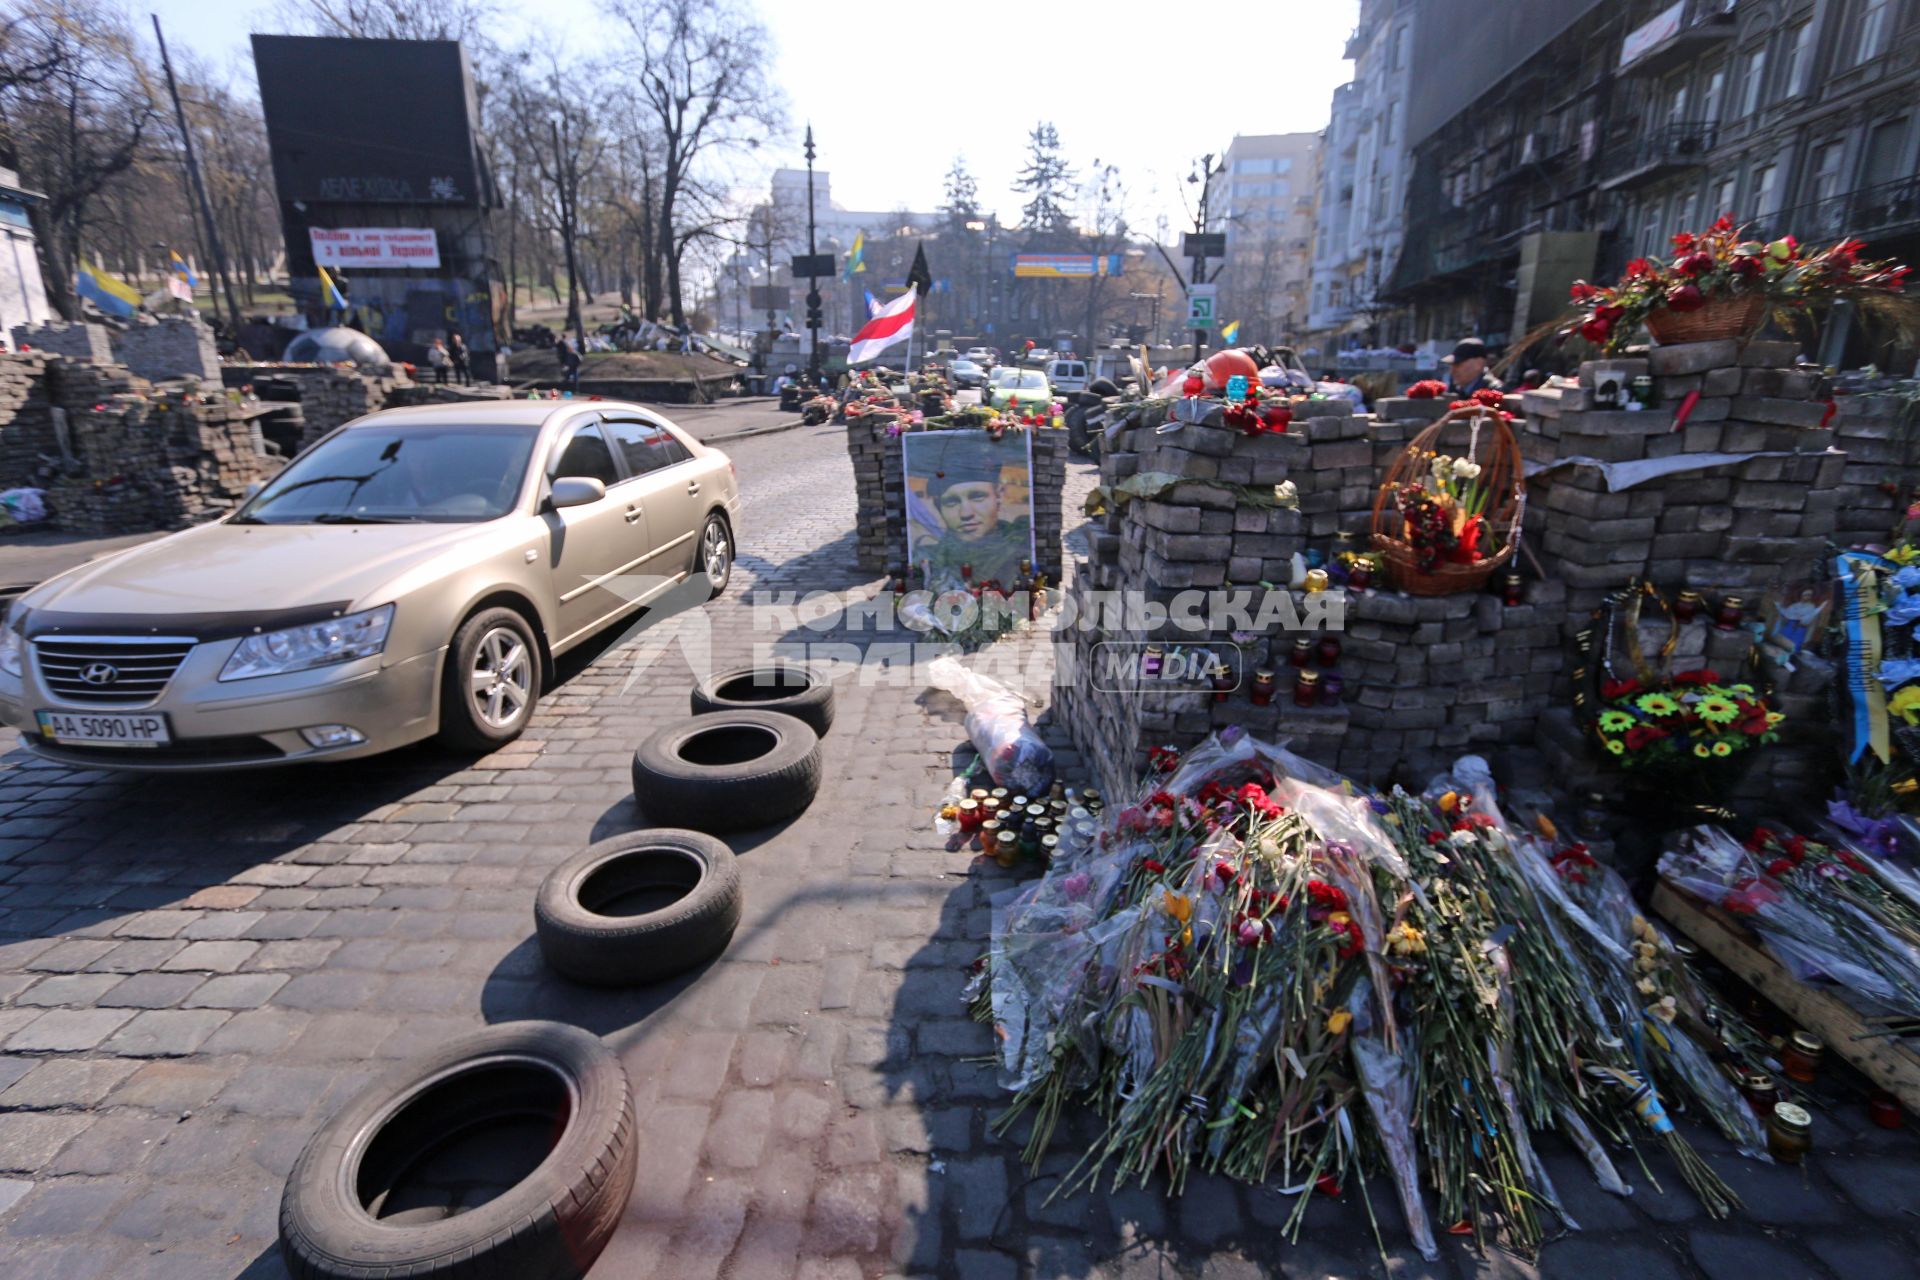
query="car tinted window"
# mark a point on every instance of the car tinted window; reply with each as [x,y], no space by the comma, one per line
[1031,381]
[585,454]
[645,446]
[381,474]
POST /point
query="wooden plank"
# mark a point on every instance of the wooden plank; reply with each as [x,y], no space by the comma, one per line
[1889,1062]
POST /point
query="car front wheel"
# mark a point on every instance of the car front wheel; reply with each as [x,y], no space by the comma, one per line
[492,681]
[716,555]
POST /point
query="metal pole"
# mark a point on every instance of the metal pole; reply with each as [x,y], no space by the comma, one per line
[199,188]
[813,286]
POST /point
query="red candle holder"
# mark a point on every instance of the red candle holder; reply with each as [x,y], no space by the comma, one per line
[1514,590]
[1328,650]
[1302,654]
[1687,607]
[1223,683]
[1732,608]
[1261,691]
[1306,689]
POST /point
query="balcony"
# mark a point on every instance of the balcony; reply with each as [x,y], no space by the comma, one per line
[1888,209]
[1679,33]
[1657,154]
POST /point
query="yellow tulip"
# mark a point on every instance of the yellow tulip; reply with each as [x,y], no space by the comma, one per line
[1178,906]
[1337,1021]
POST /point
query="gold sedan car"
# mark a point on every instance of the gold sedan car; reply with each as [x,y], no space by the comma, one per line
[414,573]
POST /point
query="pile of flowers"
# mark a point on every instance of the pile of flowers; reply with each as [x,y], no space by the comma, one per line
[1722,264]
[1841,916]
[1445,513]
[1694,719]
[1485,399]
[1260,970]
[1427,389]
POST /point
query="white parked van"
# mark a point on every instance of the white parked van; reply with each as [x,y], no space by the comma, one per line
[1067,376]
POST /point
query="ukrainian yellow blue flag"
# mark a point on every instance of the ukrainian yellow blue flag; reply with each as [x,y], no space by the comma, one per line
[182,271]
[1230,332]
[856,261]
[111,294]
[330,295]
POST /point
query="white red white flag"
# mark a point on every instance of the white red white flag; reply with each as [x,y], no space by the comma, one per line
[890,324]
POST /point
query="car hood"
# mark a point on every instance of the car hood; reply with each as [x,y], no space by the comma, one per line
[221,568]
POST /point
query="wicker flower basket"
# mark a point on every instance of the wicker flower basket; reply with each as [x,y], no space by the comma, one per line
[1721,318]
[1498,453]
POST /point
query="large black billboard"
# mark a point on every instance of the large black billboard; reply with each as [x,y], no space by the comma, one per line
[369,121]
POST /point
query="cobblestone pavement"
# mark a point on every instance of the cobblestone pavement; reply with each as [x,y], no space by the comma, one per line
[195,972]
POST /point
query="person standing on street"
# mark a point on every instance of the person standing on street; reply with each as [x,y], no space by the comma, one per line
[437,357]
[569,362]
[1467,369]
[457,352]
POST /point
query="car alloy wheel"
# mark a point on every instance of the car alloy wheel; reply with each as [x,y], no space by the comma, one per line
[716,554]
[502,678]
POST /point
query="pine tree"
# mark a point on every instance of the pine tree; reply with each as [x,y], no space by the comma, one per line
[962,202]
[1047,180]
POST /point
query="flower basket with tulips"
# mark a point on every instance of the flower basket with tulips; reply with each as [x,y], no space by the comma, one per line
[1444,521]
[1721,284]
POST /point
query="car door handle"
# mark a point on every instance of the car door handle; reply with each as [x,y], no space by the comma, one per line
[633,513]
[693,486]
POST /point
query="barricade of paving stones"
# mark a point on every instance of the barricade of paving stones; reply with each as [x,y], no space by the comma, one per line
[26,421]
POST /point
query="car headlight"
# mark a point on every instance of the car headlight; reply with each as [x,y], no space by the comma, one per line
[13,649]
[320,644]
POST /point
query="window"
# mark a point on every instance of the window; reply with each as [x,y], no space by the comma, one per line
[1766,190]
[584,453]
[1397,49]
[1873,28]
[1883,152]
[1826,171]
[1753,74]
[1713,96]
[1686,217]
[1677,101]
[645,446]
[1725,192]
[1283,165]
[1799,45]
[1392,126]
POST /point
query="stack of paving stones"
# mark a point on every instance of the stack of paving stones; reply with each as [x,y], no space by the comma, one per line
[418,393]
[1882,469]
[328,396]
[159,348]
[147,457]
[61,338]
[26,418]
[1427,678]
[880,488]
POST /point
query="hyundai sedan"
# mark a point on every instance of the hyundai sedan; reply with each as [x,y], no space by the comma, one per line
[413,574]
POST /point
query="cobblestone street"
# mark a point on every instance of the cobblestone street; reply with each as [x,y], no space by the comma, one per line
[195,972]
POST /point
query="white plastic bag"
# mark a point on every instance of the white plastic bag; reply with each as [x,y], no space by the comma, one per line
[998,728]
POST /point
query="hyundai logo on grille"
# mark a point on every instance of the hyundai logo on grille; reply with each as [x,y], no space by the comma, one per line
[99,673]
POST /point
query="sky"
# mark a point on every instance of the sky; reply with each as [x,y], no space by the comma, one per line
[895,91]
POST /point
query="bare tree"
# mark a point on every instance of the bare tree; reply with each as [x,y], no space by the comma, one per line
[700,66]
[1105,234]
[467,20]
[74,114]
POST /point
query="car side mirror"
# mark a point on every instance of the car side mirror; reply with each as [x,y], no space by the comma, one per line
[577,491]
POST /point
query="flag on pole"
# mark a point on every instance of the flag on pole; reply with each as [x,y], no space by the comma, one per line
[873,304]
[892,323]
[919,277]
[182,270]
[856,260]
[1230,332]
[111,294]
[330,295]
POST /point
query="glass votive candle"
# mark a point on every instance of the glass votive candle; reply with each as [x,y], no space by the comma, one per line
[1261,691]
[1306,689]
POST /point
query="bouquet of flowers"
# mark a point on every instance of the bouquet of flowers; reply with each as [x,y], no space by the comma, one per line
[1446,512]
[1696,718]
[1426,389]
[1722,264]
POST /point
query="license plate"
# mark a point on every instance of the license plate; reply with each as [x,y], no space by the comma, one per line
[136,729]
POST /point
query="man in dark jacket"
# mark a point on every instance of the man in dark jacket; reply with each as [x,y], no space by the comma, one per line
[1467,369]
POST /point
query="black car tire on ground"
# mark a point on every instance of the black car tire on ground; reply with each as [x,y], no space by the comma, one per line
[638,908]
[505,1155]
[790,688]
[727,771]
[464,723]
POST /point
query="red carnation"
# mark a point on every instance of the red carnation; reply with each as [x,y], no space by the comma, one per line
[1596,331]
[1686,297]
[1779,867]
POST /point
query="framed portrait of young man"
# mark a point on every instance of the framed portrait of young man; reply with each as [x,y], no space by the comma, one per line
[969,505]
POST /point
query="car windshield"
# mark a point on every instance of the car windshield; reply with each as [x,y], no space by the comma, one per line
[1005,377]
[376,474]
[1031,381]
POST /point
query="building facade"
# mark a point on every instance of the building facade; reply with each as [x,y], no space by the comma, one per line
[1360,207]
[1262,199]
[1616,125]
[23,293]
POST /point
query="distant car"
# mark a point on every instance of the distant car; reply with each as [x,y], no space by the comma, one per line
[1037,356]
[414,573]
[967,374]
[985,357]
[1025,391]
[1067,375]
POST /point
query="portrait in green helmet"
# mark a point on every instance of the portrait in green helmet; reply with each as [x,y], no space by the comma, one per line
[969,505]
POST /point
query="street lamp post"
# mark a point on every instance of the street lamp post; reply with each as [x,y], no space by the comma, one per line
[1199,271]
[813,285]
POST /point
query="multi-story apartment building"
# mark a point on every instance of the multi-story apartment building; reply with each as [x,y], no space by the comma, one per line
[1262,198]
[1360,218]
[1583,134]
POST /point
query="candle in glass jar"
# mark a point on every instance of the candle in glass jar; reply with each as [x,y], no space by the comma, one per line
[1731,609]
[1687,607]
[1514,590]
[1760,1092]
[1800,1057]
[970,815]
[1006,848]
[1316,581]
[1223,682]
[1789,1133]
[1302,654]
[990,835]
[1359,575]
[1306,689]
[1328,650]
[1262,691]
